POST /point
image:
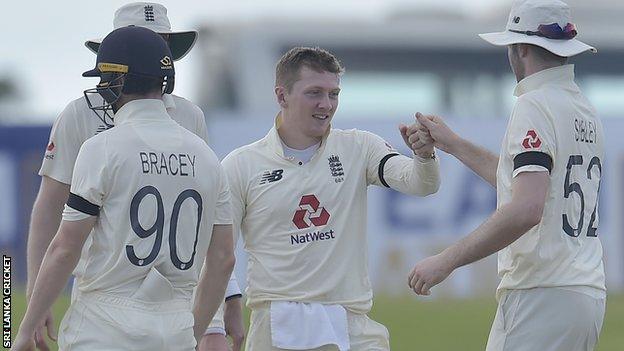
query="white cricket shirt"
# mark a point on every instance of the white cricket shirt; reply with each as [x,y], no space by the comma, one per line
[159,189]
[78,122]
[553,127]
[304,224]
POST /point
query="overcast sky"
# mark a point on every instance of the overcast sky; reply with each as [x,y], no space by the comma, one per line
[42,46]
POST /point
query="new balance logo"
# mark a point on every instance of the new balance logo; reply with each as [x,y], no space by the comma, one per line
[149,13]
[270,177]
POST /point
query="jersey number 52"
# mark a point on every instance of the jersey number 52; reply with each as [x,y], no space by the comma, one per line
[574,187]
[159,224]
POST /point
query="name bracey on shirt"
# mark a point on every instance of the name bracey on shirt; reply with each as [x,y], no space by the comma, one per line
[310,237]
[182,165]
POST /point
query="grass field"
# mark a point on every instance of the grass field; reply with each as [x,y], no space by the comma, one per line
[430,325]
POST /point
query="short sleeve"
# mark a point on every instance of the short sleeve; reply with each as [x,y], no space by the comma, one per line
[223,213]
[531,140]
[237,192]
[63,145]
[378,152]
[71,214]
[90,178]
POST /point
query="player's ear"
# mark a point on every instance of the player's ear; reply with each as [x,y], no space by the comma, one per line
[280,94]
[523,50]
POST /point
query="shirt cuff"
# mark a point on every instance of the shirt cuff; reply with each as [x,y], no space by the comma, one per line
[420,159]
[232,290]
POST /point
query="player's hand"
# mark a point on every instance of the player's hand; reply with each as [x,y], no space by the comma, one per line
[24,342]
[403,129]
[45,327]
[429,273]
[443,137]
[233,319]
[422,143]
[417,138]
[406,131]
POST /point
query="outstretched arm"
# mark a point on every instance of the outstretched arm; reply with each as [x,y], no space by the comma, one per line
[418,175]
[505,226]
[478,159]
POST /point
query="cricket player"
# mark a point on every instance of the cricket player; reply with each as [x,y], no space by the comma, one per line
[74,126]
[155,200]
[299,201]
[552,291]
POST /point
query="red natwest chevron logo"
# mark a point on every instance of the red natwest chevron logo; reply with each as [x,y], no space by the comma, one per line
[309,213]
[532,141]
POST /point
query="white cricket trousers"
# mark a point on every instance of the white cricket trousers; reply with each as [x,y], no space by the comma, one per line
[546,319]
[98,322]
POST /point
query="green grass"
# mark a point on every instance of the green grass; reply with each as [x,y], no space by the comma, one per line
[427,324]
[465,324]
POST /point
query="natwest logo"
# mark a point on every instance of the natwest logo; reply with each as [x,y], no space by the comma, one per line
[310,213]
[531,141]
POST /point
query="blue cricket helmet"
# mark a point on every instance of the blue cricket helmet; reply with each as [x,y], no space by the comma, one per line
[133,50]
[125,55]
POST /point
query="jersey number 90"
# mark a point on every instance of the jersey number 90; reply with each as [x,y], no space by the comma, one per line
[159,224]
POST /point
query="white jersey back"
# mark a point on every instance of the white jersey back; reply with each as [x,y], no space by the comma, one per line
[78,123]
[554,127]
[160,189]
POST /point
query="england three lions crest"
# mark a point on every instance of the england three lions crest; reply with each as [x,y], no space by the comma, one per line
[336,169]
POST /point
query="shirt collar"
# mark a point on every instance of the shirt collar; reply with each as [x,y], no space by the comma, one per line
[275,142]
[561,74]
[151,109]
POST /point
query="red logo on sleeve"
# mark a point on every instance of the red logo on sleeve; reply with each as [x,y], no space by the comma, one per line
[531,141]
[50,146]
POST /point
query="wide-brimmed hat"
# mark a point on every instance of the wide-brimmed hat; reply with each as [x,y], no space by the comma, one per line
[545,23]
[151,16]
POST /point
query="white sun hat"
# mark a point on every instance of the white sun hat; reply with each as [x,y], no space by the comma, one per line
[151,16]
[545,23]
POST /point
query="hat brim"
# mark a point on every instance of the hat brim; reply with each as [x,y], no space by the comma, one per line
[564,48]
[180,43]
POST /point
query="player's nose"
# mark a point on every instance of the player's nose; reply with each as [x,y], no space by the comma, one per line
[325,104]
